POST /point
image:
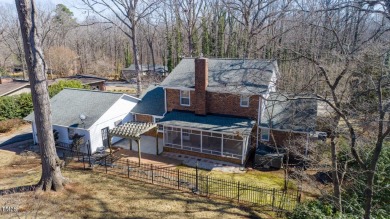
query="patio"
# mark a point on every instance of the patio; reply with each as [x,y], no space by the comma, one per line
[156,160]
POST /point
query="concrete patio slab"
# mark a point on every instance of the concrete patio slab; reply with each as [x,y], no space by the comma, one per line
[204,163]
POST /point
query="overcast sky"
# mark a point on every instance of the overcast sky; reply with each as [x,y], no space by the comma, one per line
[71,4]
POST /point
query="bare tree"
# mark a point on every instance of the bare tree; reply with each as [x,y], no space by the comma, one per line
[51,178]
[127,15]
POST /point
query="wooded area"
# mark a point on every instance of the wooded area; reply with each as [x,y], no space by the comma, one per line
[337,50]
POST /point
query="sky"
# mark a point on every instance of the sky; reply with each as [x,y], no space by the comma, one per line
[71,4]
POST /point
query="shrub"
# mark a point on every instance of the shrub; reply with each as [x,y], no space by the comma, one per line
[60,85]
[9,124]
[19,106]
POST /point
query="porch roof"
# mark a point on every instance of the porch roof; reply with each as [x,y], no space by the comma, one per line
[132,130]
[213,123]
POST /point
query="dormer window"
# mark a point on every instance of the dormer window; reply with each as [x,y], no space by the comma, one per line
[185,97]
[244,101]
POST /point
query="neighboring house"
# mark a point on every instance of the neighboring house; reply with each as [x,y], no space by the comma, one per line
[9,87]
[102,111]
[212,106]
[130,72]
[96,83]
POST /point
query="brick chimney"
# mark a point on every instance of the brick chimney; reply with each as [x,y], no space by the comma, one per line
[201,82]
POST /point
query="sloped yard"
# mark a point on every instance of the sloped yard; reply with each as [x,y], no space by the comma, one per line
[97,195]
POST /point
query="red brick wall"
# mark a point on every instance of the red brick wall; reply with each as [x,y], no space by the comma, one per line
[173,101]
[143,118]
[146,118]
[229,104]
[201,82]
[217,103]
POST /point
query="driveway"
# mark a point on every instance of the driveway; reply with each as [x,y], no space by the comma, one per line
[23,133]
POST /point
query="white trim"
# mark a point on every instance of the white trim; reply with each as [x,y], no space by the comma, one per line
[179,88]
[165,100]
[241,98]
[136,98]
[243,150]
[189,98]
[225,133]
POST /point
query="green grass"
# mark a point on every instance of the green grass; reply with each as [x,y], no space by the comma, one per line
[265,179]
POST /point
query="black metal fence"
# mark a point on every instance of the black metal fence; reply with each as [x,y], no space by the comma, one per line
[193,181]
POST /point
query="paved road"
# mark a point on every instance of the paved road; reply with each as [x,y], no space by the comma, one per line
[23,134]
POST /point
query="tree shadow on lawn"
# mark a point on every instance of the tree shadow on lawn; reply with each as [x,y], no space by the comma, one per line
[147,199]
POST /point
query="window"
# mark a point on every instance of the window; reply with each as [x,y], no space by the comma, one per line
[244,101]
[70,133]
[118,123]
[185,97]
[265,134]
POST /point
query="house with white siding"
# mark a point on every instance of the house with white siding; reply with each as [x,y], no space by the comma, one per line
[89,114]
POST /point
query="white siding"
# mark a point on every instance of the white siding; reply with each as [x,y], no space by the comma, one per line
[119,111]
[63,135]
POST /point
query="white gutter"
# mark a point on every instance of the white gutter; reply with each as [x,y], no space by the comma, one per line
[258,121]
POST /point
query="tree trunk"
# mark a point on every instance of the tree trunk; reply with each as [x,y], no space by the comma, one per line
[136,61]
[150,43]
[335,176]
[371,174]
[51,178]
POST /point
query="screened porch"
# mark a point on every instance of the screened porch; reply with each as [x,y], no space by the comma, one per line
[207,142]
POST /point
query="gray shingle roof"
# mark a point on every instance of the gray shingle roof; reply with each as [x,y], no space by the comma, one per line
[225,124]
[67,106]
[226,75]
[295,115]
[149,67]
[152,102]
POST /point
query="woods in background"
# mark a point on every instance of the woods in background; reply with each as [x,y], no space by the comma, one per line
[337,50]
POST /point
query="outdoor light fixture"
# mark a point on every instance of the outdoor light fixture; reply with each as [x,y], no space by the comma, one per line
[82,118]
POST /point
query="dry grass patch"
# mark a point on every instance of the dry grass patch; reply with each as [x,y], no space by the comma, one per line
[97,195]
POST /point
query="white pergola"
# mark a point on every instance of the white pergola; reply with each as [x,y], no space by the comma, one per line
[133,131]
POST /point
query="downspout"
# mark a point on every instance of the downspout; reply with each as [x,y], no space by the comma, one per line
[165,101]
[258,122]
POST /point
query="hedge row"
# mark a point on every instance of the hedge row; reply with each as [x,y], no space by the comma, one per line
[19,106]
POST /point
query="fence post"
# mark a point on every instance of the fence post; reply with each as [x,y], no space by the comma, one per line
[207,185]
[238,191]
[273,198]
[197,178]
[105,162]
[178,179]
[83,162]
[151,166]
[128,169]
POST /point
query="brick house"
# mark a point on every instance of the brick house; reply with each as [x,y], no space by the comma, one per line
[211,106]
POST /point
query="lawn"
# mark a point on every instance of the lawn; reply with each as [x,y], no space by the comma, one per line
[266,179]
[97,195]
